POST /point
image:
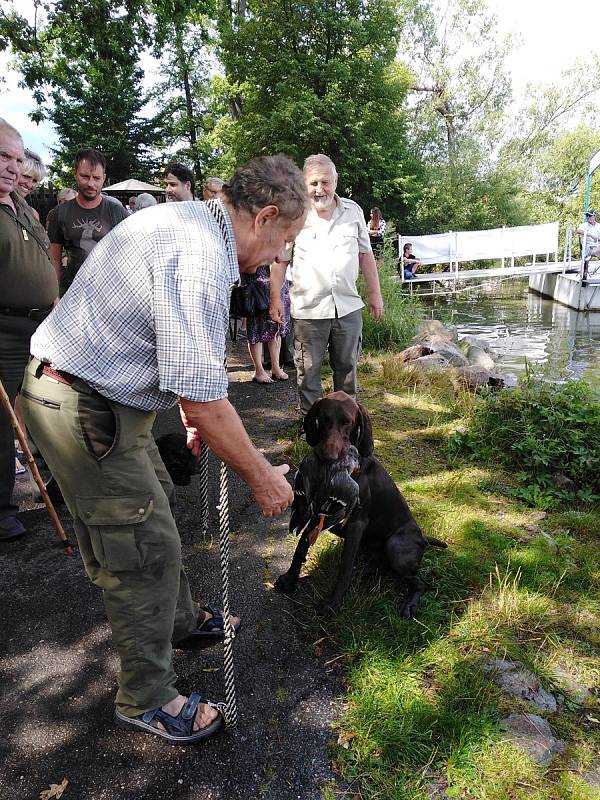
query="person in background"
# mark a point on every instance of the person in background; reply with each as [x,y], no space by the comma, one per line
[325,304]
[590,231]
[65,195]
[79,224]
[262,330]
[145,200]
[212,189]
[28,288]
[376,228]
[32,174]
[131,205]
[142,329]
[410,262]
[180,184]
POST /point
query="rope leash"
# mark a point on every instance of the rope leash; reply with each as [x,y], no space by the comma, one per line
[228,708]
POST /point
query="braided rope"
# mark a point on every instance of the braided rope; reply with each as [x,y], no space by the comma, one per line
[229,707]
[203,472]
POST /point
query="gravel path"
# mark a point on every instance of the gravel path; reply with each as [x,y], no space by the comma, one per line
[57,664]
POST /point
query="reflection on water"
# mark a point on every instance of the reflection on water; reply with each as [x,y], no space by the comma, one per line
[518,327]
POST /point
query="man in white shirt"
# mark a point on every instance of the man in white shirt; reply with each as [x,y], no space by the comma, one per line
[325,304]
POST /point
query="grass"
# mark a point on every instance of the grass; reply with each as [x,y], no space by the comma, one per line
[422,717]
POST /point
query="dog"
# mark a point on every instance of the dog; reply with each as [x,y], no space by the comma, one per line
[181,464]
[381,522]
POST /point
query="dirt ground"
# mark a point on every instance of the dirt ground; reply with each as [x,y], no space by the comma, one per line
[57,663]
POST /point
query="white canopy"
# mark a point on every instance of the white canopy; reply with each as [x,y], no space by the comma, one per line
[132,185]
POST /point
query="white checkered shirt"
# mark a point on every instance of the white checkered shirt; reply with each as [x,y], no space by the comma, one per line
[145,319]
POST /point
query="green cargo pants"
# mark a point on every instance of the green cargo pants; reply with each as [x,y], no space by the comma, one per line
[118,491]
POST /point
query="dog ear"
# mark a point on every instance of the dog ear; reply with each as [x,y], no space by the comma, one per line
[311,425]
[363,433]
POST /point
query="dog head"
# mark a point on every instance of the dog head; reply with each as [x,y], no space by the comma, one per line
[334,423]
[176,457]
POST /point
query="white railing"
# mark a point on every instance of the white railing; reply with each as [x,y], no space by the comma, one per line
[504,244]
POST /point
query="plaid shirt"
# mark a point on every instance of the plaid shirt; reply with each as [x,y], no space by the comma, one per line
[145,320]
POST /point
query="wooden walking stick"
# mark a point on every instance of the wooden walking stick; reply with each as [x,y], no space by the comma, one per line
[34,470]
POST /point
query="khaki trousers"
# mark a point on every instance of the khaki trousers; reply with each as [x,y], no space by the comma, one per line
[118,491]
[342,337]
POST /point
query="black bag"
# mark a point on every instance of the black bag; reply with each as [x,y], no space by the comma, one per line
[249,300]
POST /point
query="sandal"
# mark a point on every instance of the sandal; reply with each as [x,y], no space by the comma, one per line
[210,632]
[179,729]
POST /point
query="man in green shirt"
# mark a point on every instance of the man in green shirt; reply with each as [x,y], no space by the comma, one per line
[28,288]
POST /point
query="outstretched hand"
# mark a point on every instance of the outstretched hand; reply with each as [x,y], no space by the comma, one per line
[275,494]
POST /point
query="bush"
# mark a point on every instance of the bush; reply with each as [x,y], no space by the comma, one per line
[401,315]
[549,434]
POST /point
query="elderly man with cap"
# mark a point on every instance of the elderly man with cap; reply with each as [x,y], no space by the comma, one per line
[141,329]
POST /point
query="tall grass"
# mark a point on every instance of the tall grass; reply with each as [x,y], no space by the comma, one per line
[402,312]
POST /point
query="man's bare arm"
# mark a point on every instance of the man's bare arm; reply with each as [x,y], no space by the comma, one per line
[56,259]
[368,267]
[278,269]
[219,425]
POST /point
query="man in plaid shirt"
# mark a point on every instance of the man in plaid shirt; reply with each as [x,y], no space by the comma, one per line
[141,328]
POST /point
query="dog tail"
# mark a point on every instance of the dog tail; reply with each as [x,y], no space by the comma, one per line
[435,542]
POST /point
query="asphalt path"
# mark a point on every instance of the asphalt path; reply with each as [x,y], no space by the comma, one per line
[58,665]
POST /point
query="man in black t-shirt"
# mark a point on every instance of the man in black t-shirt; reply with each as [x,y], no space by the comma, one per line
[78,225]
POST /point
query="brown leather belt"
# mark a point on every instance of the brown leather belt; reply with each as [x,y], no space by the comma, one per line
[61,377]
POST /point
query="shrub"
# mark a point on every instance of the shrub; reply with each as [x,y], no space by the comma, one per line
[546,432]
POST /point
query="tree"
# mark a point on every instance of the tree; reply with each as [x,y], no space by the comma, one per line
[183,40]
[81,63]
[318,76]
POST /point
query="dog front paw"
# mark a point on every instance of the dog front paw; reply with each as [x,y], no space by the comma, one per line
[285,583]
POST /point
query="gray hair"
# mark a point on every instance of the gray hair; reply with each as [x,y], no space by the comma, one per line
[219,183]
[8,128]
[319,160]
[33,165]
[144,200]
[64,195]
[268,181]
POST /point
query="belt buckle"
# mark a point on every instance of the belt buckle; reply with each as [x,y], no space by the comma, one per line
[32,311]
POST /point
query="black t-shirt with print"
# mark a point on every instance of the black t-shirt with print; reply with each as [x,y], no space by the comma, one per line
[79,230]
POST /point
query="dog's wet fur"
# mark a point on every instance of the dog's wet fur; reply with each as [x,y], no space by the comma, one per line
[382,524]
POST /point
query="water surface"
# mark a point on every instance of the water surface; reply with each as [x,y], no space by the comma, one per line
[520,327]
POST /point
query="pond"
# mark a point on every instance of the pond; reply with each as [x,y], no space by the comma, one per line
[520,328]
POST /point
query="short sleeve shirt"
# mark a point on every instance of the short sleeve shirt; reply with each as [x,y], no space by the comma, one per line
[79,229]
[326,263]
[145,319]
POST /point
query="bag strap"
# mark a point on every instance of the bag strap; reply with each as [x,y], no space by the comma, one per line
[28,228]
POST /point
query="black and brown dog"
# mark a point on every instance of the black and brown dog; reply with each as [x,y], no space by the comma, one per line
[381,522]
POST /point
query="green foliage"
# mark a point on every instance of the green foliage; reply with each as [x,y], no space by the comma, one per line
[320,77]
[401,314]
[541,431]
[81,64]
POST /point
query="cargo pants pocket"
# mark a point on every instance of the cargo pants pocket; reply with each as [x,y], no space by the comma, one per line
[97,421]
[114,524]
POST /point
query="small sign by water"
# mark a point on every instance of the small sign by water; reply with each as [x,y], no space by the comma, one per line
[520,327]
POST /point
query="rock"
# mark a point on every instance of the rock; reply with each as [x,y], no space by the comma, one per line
[434,330]
[563,483]
[450,352]
[471,378]
[518,681]
[474,341]
[533,735]
[479,358]
[592,774]
[416,351]
[431,363]
[574,690]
